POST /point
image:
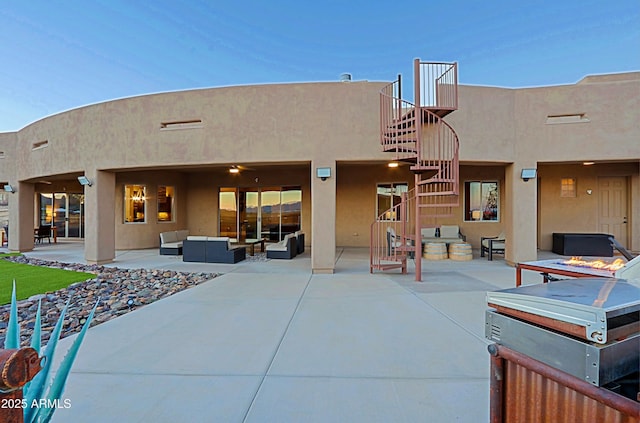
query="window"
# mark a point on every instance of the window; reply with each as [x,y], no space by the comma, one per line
[568,187]
[390,195]
[134,203]
[482,201]
[166,195]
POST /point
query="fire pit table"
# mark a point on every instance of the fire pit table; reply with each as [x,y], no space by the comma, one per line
[574,267]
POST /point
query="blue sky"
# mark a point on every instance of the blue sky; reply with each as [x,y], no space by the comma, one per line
[59,55]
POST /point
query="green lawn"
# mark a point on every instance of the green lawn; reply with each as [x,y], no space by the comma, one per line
[31,280]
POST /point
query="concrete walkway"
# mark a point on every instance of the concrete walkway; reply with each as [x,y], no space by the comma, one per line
[271,342]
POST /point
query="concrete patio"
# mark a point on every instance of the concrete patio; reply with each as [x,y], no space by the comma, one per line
[272,342]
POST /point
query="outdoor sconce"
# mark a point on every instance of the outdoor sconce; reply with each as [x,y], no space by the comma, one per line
[323,173]
[528,174]
[84,181]
[9,188]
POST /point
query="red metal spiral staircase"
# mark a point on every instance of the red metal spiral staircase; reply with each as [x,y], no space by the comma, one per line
[418,135]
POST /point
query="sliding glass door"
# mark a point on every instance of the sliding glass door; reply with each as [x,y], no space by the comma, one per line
[269,212]
[249,223]
[228,208]
[63,211]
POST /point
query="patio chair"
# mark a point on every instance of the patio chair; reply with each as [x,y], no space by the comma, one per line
[492,245]
[43,232]
[393,244]
[285,249]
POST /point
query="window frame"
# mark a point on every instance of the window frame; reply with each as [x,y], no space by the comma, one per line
[392,202]
[172,214]
[131,198]
[466,209]
[573,185]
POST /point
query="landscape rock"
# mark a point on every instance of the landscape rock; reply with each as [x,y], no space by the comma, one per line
[112,287]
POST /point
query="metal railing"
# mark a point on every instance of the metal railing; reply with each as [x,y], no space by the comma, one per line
[438,85]
[391,241]
[438,147]
[397,123]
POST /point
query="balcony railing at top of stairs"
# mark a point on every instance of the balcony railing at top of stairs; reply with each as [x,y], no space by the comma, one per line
[438,89]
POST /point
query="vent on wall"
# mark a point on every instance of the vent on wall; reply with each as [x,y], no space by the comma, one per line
[38,145]
[181,124]
[569,118]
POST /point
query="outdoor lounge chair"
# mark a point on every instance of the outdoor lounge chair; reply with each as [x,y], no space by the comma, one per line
[43,232]
[285,249]
[492,245]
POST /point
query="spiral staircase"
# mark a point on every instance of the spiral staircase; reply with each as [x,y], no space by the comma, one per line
[417,135]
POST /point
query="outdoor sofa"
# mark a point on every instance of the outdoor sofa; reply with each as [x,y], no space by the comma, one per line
[207,249]
[171,242]
[445,233]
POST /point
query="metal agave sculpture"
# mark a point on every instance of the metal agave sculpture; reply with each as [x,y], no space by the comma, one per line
[44,391]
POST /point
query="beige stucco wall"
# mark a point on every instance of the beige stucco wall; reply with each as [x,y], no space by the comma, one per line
[8,158]
[145,235]
[285,131]
[269,123]
[580,213]
[356,200]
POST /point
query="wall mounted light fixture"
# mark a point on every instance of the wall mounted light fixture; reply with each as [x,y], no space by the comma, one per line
[528,174]
[9,188]
[84,181]
[323,173]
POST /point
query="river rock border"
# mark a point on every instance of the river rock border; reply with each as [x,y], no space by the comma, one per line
[119,290]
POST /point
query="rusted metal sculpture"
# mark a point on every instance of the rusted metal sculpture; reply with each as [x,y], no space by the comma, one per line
[17,368]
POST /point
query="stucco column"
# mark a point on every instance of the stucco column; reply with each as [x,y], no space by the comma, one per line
[521,216]
[21,217]
[323,219]
[634,218]
[99,209]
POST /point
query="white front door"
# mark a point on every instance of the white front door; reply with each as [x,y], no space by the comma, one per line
[612,207]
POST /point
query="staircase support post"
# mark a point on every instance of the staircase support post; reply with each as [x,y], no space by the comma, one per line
[417,255]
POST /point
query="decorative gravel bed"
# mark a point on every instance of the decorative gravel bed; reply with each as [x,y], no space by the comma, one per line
[119,290]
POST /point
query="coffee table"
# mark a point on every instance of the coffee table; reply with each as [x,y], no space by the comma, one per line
[251,242]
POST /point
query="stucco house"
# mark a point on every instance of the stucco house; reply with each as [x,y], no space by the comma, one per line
[244,161]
